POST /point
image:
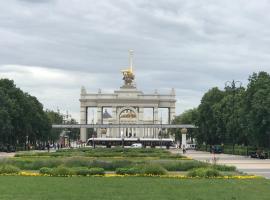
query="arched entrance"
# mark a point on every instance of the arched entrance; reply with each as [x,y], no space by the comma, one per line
[128,115]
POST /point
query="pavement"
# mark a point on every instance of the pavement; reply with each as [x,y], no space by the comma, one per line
[6,155]
[242,163]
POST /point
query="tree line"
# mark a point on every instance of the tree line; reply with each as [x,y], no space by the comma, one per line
[234,115]
[23,119]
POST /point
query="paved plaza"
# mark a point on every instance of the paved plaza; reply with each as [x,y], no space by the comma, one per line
[242,163]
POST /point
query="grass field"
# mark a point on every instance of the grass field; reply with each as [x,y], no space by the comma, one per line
[131,188]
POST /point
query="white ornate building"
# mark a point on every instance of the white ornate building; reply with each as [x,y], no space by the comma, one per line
[127,105]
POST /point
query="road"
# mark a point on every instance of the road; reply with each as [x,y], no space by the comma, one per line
[242,163]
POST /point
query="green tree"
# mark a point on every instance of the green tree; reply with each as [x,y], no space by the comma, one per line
[22,118]
[208,120]
[257,109]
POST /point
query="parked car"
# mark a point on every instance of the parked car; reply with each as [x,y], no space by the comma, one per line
[258,154]
[136,145]
[216,149]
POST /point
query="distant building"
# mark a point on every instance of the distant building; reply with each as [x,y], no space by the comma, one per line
[127,105]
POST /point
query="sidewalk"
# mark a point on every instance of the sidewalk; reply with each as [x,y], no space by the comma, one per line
[242,163]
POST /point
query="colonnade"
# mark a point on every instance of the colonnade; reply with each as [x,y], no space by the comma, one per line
[127,132]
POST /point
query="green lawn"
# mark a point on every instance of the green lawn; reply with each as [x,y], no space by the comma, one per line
[129,188]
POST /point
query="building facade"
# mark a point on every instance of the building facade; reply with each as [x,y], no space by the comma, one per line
[127,107]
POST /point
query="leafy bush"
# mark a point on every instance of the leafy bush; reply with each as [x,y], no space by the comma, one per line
[153,169]
[101,164]
[121,163]
[81,171]
[224,168]
[111,165]
[76,162]
[46,170]
[62,171]
[204,173]
[33,163]
[130,171]
[149,169]
[84,171]
[9,169]
[96,171]
[102,152]
[181,165]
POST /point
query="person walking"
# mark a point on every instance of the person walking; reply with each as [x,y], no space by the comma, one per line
[48,146]
[184,149]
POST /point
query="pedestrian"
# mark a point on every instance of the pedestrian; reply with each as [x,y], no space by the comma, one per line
[48,147]
[184,149]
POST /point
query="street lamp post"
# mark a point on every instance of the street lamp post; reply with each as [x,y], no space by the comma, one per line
[233,85]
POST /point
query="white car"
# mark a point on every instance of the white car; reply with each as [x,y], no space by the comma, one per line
[136,145]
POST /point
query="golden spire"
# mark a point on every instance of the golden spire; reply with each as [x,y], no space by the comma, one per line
[131,61]
[128,75]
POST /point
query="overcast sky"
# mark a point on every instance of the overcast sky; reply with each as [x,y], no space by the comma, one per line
[50,48]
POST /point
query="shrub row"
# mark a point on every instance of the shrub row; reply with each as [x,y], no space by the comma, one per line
[192,164]
[37,163]
[102,152]
[142,170]
[181,165]
[9,169]
[224,168]
[204,173]
[176,165]
[65,171]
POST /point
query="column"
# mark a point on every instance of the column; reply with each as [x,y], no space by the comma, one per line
[171,114]
[184,140]
[140,131]
[83,121]
[115,121]
[155,121]
[184,137]
[99,120]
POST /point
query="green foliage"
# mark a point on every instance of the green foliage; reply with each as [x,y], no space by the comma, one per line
[84,171]
[224,168]
[257,109]
[9,169]
[204,173]
[21,116]
[129,171]
[46,170]
[153,169]
[182,165]
[33,164]
[235,115]
[81,171]
[102,152]
[147,169]
[62,171]
[96,171]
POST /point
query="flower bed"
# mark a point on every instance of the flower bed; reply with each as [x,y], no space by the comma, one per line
[25,173]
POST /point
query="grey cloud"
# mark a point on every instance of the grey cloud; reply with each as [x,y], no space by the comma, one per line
[185,44]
